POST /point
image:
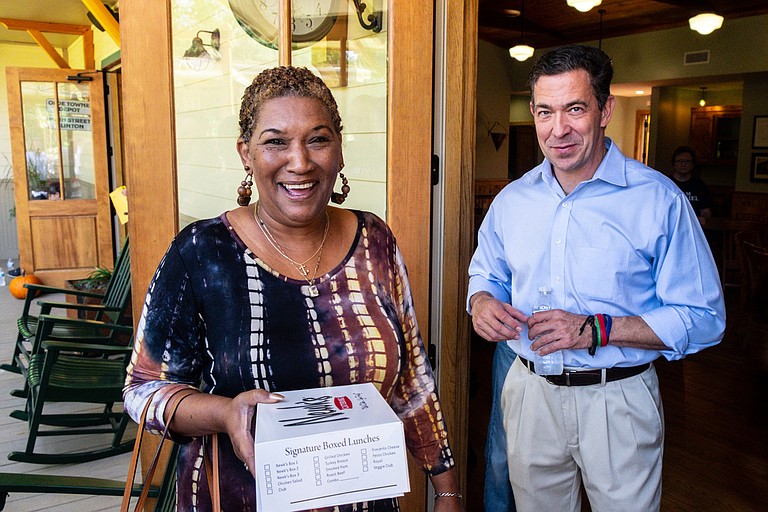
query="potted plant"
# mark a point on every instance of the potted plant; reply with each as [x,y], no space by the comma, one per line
[95,282]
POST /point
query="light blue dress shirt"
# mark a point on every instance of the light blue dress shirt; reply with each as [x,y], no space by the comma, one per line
[625,243]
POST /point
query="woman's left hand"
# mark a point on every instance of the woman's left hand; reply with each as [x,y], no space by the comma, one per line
[240,416]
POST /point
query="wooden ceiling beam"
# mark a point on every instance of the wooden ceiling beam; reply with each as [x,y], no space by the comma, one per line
[105,19]
[44,26]
[36,28]
[49,49]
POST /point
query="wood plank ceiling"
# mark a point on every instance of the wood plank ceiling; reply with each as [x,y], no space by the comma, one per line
[550,23]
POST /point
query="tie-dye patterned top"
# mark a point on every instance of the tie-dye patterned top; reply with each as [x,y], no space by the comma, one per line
[217,316]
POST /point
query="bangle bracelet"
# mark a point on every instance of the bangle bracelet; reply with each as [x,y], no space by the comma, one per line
[448,495]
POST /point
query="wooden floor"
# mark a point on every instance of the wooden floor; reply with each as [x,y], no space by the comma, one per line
[716,412]
[13,436]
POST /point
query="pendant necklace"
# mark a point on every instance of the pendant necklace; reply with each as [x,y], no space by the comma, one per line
[300,267]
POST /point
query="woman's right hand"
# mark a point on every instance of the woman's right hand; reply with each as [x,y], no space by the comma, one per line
[240,416]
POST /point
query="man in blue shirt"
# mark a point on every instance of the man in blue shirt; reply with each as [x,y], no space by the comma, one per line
[631,277]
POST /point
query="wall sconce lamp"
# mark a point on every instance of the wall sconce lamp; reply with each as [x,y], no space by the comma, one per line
[703,100]
[706,23]
[198,50]
[197,57]
[583,5]
[498,135]
[521,51]
[374,19]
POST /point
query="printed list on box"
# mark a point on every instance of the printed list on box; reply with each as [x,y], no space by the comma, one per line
[328,446]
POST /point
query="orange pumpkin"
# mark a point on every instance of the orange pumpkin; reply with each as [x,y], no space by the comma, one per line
[17,285]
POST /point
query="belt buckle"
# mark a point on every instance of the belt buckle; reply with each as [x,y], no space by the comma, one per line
[555,379]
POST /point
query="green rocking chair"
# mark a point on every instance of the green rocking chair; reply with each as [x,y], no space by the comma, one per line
[84,372]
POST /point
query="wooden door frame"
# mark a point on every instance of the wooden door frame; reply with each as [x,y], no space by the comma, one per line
[458,239]
[148,122]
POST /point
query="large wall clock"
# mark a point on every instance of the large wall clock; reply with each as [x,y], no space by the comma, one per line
[311,20]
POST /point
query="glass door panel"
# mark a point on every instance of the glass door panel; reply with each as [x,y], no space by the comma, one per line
[58,141]
[40,138]
[77,167]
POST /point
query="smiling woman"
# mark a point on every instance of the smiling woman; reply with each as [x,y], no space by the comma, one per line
[288,293]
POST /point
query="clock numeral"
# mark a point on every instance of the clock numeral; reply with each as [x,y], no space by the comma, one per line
[306,23]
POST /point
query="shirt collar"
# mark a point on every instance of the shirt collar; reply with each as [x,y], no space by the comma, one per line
[613,167]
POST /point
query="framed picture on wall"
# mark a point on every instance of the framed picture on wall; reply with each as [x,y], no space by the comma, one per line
[760,133]
[759,167]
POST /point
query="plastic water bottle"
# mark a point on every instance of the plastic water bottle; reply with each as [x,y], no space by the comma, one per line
[2,277]
[9,264]
[551,364]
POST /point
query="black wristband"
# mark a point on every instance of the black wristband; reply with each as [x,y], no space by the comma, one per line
[590,320]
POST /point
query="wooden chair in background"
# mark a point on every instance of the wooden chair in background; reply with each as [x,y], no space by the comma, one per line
[724,232]
[756,300]
[83,372]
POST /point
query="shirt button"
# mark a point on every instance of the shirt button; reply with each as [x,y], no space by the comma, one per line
[558,241]
[565,205]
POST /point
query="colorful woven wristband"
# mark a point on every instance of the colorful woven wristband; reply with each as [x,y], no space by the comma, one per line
[604,323]
[608,324]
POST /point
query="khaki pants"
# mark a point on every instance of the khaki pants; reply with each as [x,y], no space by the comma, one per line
[610,436]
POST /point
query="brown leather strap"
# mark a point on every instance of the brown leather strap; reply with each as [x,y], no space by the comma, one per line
[212,472]
[125,506]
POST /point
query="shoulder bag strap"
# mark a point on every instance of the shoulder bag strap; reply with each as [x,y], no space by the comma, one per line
[212,472]
[125,506]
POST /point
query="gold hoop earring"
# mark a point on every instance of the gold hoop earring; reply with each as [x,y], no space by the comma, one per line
[244,190]
[340,198]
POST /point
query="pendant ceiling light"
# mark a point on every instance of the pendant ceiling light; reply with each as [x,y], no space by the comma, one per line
[706,23]
[584,5]
[521,51]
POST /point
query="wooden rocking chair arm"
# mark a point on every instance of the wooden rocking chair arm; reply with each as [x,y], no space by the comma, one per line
[56,346]
[78,322]
[37,483]
[46,307]
[41,288]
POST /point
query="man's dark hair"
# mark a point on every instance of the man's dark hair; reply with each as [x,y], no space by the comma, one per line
[684,149]
[572,58]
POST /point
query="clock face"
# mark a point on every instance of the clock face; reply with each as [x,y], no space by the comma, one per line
[311,19]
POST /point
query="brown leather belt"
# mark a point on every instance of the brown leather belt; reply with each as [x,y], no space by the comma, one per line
[589,377]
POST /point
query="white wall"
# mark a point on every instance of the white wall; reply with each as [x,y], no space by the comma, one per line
[493,94]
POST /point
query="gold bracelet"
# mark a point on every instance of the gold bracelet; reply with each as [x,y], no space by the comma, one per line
[448,495]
